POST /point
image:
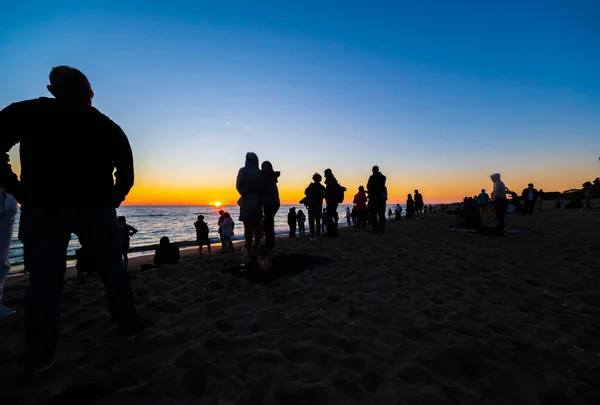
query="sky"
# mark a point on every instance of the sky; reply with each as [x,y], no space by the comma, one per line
[439,94]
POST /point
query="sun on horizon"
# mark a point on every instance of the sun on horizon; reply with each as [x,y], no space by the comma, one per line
[217,204]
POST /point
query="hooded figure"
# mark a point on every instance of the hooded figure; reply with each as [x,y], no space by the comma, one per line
[499,190]
[269,200]
[248,184]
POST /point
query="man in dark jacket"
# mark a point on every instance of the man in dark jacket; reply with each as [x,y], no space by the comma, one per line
[529,196]
[377,197]
[68,151]
[332,198]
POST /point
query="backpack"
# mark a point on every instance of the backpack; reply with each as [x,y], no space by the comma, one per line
[341,191]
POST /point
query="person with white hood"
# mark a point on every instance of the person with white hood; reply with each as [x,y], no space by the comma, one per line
[499,198]
[8,212]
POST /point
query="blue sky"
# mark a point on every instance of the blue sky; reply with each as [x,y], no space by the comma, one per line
[438,93]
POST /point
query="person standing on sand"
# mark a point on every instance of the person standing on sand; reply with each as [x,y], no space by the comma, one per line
[227,231]
[269,197]
[324,220]
[58,136]
[126,231]
[540,199]
[333,192]
[248,184]
[483,200]
[499,199]
[8,213]
[410,207]
[202,232]
[377,192]
[360,202]
[315,192]
[348,216]
[219,223]
[291,220]
[530,196]
[301,220]
[418,204]
[398,212]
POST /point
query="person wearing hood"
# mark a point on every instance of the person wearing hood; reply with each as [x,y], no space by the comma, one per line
[269,199]
[248,185]
[499,198]
[377,192]
[332,198]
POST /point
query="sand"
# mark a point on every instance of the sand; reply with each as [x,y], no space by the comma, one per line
[422,315]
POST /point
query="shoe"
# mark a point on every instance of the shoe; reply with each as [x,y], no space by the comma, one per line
[5,312]
[132,331]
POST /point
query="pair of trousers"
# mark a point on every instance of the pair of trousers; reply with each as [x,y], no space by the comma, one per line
[377,217]
[45,234]
[315,213]
[269,225]
[500,205]
[331,219]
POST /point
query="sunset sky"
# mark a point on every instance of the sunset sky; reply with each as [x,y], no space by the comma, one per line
[439,94]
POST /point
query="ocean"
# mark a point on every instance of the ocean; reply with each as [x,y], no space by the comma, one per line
[176,222]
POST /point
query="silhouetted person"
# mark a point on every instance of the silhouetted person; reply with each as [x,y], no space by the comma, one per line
[324,220]
[166,253]
[418,203]
[540,199]
[377,197]
[315,192]
[360,204]
[333,192]
[219,223]
[398,212]
[301,221]
[390,214]
[202,233]
[530,196]
[248,184]
[269,197]
[483,200]
[126,231]
[348,216]
[291,220]
[499,198]
[68,149]
[227,231]
[8,213]
[410,207]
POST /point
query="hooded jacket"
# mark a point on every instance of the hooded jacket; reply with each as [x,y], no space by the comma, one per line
[248,184]
[499,190]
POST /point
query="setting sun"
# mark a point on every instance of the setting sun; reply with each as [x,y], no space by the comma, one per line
[217,204]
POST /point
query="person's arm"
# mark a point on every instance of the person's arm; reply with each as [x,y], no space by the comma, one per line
[239,181]
[123,162]
[132,230]
[9,137]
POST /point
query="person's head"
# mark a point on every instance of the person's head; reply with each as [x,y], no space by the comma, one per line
[122,220]
[361,188]
[165,241]
[266,167]
[200,218]
[317,178]
[227,215]
[375,169]
[221,212]
[251,159]
[68,83]
[293,209]
[300,212]
[328,173]
[483,190]
[409,196]
[416,191]
[530,185]
[495,177]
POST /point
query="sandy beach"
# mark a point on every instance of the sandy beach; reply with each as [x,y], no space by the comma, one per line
[421,315]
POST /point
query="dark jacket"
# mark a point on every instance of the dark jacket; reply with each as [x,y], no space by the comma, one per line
[68,153]
[315,192]
[376,188]
[525,194]
[269,193]
[332,192]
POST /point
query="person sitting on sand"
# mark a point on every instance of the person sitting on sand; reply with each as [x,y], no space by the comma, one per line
[227,232]
[410,207]
[315,192]
[248,185]
[291,220]
[269,197]
[126,232]
[166,253]
[398,212]
[8,213]
[202,232]
[360,202]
